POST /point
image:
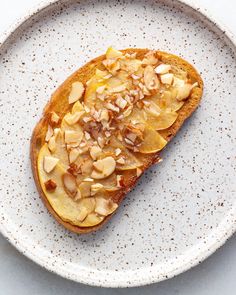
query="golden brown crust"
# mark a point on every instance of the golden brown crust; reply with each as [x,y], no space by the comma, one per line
[59,104]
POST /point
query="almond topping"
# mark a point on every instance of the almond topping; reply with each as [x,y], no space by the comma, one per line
[50,185]
[119,88]
[73,155]
[85,189]
[69,182]
[111,107]
[121,103]
[72,136]
[87,135]
[77,91]
[167,79]
[101,89]
[49,133]
[74,169]
[71,119]
[183,91]
[117,151]
[54,118]
[96,188]
[150,59]
[121,161]
[104,116]
[52,144]
[162,69]
[49,163]
[128,111]
[105,207]
[104,168]
[95,152]
[120,181]
[150,78]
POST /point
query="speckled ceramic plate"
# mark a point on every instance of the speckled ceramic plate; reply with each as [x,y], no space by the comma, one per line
[183,209]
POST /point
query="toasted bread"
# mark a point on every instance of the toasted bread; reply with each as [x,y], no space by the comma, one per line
[59,106]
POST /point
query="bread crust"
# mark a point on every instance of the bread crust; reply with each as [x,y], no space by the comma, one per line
[59,104]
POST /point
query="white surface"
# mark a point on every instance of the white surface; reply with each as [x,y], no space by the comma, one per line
[211,275]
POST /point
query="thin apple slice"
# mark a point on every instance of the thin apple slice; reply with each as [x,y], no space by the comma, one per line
[163,121]
[153,141]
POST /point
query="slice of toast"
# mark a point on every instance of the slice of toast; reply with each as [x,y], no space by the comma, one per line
[58,191]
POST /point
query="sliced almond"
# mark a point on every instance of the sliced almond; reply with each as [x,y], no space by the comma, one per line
[138,172]
[101,89]
[82,214]
[69,182]
[73,155]
[104,168]
[49,133]
[121,103]
[183,92]
[118,151]
[167,78]
[95,152]
[101,141]
[104,116]
[163,69]
[105,207]
[54,118]
[119,88]
[85,189]
[150,59]
[77,91]
[87,135]
[150,78]
[111,107]
[49,163]
[72,136]
[71,119]
[52,144]
[96,188]
[128,111]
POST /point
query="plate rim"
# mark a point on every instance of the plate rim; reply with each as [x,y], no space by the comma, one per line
[209,249]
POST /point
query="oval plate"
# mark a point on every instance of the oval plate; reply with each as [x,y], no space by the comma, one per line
[183,209]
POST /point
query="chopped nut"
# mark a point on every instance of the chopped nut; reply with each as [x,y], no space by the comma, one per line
[69,182]
[52,144]
[73,155]
[96,188]
[87,109]
[120,181]
[87,119]
[77,91]
[74,169]
[87,135]
[119,88]
[121,161]
[113,53]
[104,116]
[183,91]
[54,118]
[101,89]
[117,151]
[71,119]
[50,185]
[128,111]
[85,189]
[150,78]
[104,168]
[49,133]
[111,107]
[101,141]
[72,136]
[162,69]
[150,59]
[49,163]
[95,152]
[167,78]
[121,103]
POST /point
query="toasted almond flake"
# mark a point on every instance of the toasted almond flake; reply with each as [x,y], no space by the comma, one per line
[72,136]
[150,59]
[107,133]
[49,163]
[56,132]
[167,78]
[52,144]
[104,116]
[71,119]
[121,161]
[183,91]
[73,155]
[88,179]
[128,111]
[135,77]
[77,197]
[101,141]
[101,96]
[69,182]
[87,135]
[101,89]
[87,109]
[49,133]
[121,103]
[108,76]
[118,151]
[138,172]
[87,119]
[104,168]
[77,91]
[96,188]
[119,88]
[113,53]
[120,181]
[111,107]
[146,103]
[95,152]
[128,98]
[163,69]
[54,118]
[150,79]
[83,144]
[128,141]
[105,207]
